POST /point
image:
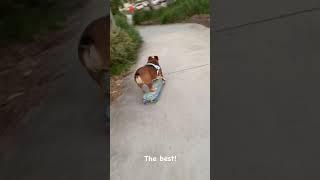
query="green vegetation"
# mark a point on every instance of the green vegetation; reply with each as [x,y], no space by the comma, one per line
[125,43]
[22,20]
[114,6]
[178,11]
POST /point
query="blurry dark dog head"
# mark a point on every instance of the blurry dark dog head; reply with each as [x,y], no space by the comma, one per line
[153,60]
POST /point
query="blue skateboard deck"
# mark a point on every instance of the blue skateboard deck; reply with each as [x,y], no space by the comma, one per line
[153,97]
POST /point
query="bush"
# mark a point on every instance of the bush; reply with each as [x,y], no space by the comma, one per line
[114,6]
[125,43]
[121,22]
[178,11]
[122,51]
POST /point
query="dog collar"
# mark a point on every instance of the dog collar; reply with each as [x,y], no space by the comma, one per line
[155,66]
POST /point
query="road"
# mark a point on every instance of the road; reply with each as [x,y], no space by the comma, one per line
[179,124]
[64,137]
[266,103]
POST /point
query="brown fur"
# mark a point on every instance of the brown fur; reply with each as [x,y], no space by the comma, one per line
[93,50]
[148,73]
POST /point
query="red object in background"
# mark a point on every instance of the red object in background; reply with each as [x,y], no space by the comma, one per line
[131,9]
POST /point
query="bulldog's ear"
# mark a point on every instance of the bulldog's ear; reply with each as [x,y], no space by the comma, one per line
[156,57]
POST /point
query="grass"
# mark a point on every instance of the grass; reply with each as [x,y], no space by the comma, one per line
[23,20]
[176,12]
[125,43]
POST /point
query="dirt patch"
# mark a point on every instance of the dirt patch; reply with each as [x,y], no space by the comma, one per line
[116,83]
[24,78]
[203,19]
[150,22]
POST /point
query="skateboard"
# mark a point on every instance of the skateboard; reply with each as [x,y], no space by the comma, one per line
[153,97]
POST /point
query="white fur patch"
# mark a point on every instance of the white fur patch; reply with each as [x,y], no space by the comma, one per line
[139,80]
[92,59]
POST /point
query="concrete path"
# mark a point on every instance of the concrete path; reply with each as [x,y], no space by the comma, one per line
[179,124]
[65,137]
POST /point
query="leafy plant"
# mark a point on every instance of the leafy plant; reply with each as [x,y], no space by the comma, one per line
[125,43]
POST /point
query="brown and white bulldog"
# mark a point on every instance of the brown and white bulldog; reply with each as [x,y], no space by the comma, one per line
[149,72]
